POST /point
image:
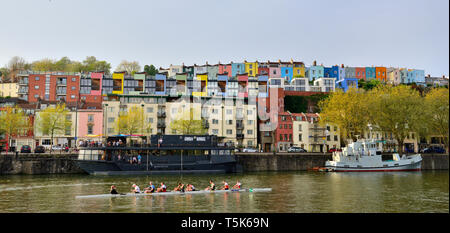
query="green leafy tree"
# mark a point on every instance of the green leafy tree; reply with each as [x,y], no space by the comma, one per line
[13,122]
[437,112]
[52,121]
[132,122]
[186,123]
[150,70]
[398,110]
[346,110]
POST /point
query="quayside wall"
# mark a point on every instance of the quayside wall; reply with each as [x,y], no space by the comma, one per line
[250,162]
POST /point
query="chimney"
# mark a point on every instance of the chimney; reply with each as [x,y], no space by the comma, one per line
[245,61]
[279,61]
[292,61]
[314,63]
[342,65]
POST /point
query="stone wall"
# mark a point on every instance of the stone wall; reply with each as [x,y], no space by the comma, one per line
[252,162]
[38,164]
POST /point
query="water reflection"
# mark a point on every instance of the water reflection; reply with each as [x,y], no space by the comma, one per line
[298,192]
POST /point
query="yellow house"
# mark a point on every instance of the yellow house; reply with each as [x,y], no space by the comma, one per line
[203,79]
[118,82]
[298,69]
[251,68]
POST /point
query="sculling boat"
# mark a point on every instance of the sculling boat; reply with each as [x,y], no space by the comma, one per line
[251,190]
[362,156]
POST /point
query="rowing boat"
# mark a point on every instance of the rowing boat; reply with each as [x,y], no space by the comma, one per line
[177,193]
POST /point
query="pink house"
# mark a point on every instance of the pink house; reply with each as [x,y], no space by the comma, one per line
[90,121]
[274,69]
[242,85]
[225,68]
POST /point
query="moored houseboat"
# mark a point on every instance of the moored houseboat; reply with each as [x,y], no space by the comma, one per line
[164,154]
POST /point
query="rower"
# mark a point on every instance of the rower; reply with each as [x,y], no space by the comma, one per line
[225,186]
[211,186]
[150,188]
[113,190]
[237,185]
[162,188]
[190,187]
[135,189]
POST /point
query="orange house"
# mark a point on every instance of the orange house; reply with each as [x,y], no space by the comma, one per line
[380,73]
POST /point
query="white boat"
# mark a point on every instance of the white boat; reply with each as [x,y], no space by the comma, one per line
[362,156]
[176,193]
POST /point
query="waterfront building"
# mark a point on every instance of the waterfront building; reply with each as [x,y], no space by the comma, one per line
[350,72]
[310,135]
[380,73]
[174,69]
[283,132]
[298,69]
[403,75]
[263,68]
[189,70]
[9,89]
[89,118]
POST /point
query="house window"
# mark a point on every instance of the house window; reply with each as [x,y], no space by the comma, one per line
[36,87]
[36,78]
[250,132]
[74,79]
[229,131]
[300,137]
[91,118]
[215,131]
[335,138]
[90,129]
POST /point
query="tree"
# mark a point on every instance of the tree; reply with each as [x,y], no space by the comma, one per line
[132,122]
[15,65]
[45,64]
[185,123]
[437,111]
[53,120]
[13,121]
[150,70]
[4,75]
[346,110]
[129,67]
[398,110]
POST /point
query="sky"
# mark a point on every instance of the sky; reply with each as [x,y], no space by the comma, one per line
[393,33]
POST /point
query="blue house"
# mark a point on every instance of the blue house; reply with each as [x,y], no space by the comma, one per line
[287,73]
[160,84]
[416,76]
[237,68]
[346,83]
[314,72]
[370,73]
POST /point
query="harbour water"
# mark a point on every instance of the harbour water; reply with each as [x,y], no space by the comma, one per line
[293,192]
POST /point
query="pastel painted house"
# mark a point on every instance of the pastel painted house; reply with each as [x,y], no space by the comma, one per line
[286,71]
[225,69]
[315,72]
[380,73]
[360,73]
[251,68]
[346,83]
[242,85]
[237,68]
[370,73]
[90,122]
[274,70]
[416,76]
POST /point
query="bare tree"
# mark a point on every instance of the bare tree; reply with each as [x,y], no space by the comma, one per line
[129,67]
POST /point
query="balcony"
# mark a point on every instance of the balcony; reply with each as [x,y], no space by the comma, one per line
[239,136]
[239,125]
[161,125]
[161,114]
[206,124]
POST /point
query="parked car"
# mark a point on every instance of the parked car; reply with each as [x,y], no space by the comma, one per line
[39,149]
[25,149]
[296,149]
[249,150]
[333,150]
